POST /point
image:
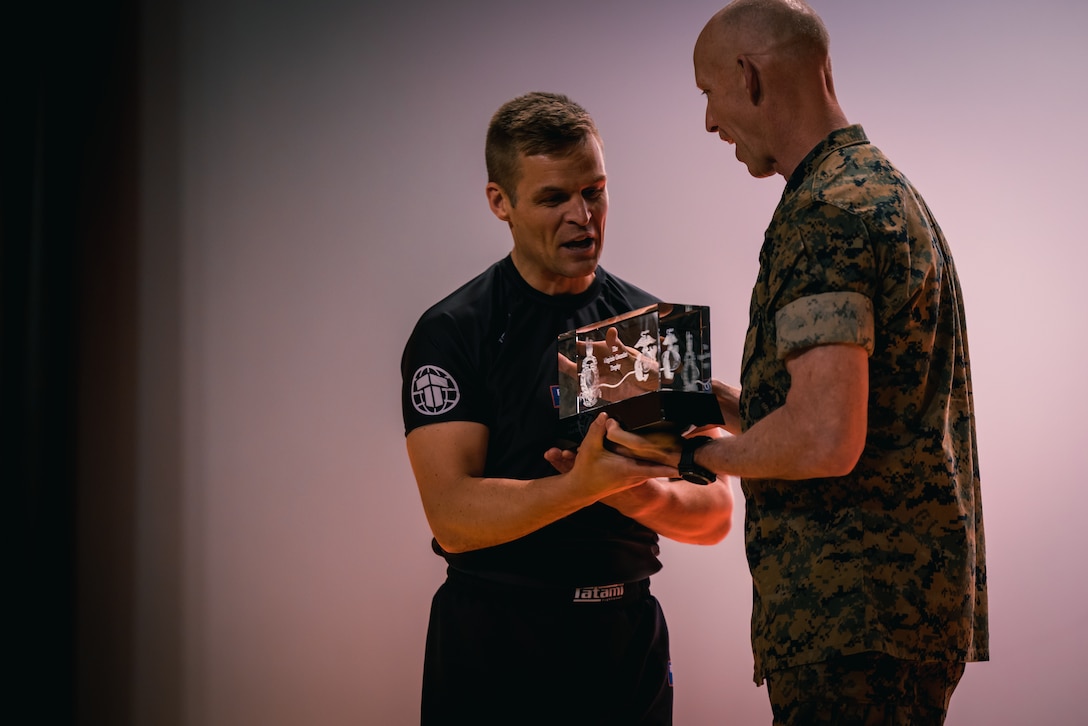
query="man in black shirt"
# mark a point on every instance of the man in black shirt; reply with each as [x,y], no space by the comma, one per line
[546,614]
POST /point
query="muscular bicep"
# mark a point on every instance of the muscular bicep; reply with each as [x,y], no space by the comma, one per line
[828,398]
[444,454]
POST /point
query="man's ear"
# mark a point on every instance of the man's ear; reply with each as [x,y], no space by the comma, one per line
[752,78]
[499,201]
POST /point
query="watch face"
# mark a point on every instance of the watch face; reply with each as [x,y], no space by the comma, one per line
[695,477]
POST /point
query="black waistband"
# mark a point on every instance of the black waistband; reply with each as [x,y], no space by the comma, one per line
[580,596]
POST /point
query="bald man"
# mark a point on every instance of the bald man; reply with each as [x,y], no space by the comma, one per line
[854,430]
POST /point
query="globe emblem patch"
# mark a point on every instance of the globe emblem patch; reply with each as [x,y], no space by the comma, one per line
[434,391]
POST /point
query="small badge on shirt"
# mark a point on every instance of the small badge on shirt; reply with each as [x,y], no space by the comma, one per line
[434,391]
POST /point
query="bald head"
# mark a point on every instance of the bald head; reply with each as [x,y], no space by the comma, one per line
[758,27]
[765,68]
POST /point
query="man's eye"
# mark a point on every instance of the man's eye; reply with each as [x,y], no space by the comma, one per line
[593,194]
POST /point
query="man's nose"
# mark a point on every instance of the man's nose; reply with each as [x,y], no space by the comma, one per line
[579,212]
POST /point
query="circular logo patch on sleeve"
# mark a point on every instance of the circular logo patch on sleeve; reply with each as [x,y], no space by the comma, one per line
[434,391]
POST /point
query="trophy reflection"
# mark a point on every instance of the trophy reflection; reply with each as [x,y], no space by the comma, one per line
[649,369]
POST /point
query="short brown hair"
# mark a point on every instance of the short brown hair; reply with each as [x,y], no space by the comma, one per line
[535,123]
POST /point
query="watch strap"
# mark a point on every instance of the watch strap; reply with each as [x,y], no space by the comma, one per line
[687,467]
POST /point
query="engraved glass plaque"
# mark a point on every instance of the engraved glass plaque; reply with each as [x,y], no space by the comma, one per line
[649,369]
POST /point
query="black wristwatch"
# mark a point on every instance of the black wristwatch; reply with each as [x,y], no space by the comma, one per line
[689,470]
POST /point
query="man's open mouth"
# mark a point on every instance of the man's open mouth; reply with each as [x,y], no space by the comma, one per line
[579,244]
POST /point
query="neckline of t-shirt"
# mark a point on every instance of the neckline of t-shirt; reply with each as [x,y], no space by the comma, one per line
[571,301]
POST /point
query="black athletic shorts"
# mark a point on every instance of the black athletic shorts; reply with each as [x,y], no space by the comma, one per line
[500,654]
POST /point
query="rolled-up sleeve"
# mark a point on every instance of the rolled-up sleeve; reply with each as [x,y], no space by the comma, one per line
[824,319]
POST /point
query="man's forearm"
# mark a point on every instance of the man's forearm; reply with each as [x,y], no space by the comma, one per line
[679,510]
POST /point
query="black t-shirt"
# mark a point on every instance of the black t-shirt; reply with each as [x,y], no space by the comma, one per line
[487,353]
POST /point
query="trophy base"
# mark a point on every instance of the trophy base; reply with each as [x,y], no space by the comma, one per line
[654,411]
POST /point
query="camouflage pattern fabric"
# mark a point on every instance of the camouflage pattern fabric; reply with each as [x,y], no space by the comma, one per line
[868,689]
[890,558]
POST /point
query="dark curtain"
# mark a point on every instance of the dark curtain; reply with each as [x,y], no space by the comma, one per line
[68,320]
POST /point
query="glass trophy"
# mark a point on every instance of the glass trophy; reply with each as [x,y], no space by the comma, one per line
[649,369]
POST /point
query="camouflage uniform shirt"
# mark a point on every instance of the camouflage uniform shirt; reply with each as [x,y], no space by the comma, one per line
[890,557]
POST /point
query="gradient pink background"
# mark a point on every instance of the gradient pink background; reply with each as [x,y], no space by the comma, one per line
[331,185]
